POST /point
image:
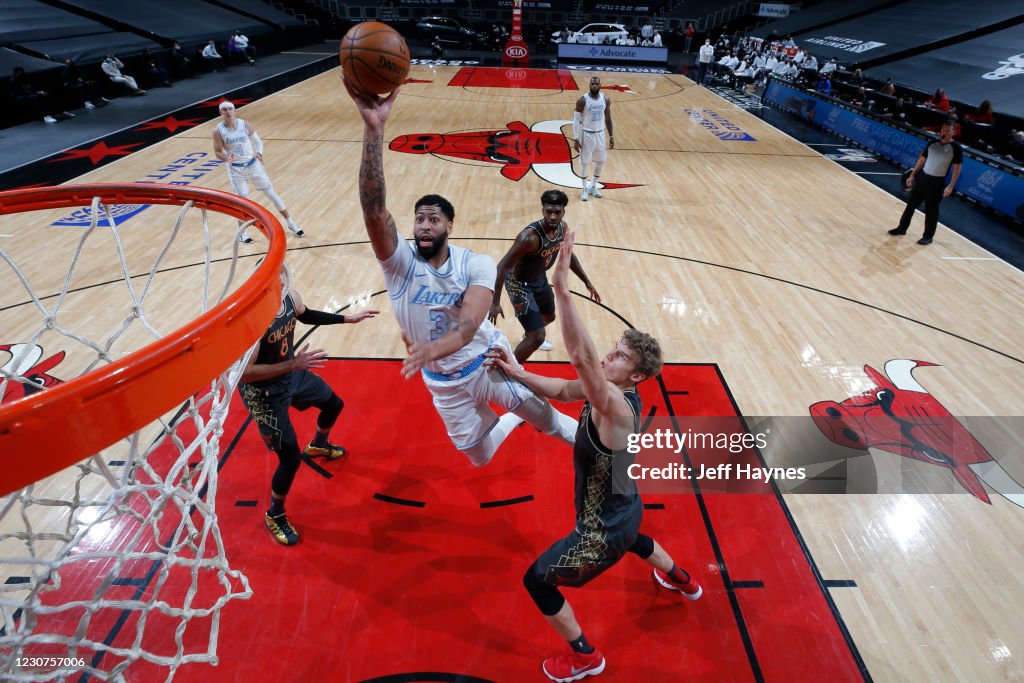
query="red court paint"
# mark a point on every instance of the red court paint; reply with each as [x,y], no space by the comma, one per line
[495,77]
[410,566]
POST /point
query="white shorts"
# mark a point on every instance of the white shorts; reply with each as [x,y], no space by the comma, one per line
[593,147]
[463,404]
[241,175]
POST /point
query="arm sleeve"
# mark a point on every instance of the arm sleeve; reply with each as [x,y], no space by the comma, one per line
[576,122]
[257,143]
[311,317]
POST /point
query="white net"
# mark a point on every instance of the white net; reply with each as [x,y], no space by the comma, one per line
[116,565]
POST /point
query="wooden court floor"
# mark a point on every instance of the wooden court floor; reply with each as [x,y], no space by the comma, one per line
[733,244]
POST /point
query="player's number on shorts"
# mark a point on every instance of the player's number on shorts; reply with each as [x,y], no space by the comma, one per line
[441,324]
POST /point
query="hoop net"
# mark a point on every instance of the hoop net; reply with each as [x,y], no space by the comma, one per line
[110,552]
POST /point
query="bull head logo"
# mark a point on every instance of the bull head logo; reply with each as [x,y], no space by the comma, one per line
[543,148]
[1012,66]
[899,416]
[23,374]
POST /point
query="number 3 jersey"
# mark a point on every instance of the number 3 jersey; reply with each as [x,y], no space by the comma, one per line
[428,302]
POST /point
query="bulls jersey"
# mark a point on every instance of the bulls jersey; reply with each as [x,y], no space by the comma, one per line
[604,503]
[428,302]
[593,113]
[531,266]
[277,343]
[236,141]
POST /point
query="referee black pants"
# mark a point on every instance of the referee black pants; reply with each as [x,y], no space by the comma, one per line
[927,189]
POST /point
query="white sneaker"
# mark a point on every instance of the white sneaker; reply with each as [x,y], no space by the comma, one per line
[49,119]
[594,192]
[244,238]
[545,346]
[90,105]
[295,228]
[584,196]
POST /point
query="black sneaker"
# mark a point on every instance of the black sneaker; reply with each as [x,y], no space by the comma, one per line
[925,240]
[281,529]
[897,231]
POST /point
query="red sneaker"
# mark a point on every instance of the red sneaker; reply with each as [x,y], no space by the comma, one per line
[690,591]
[573,666]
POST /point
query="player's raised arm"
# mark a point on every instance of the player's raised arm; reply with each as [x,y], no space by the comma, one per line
[605,397]
[380,224]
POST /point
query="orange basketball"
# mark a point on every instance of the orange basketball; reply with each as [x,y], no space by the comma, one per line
[374,57]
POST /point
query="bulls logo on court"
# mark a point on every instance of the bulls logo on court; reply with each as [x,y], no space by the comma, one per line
[542,148]
[899,416]
[24,372]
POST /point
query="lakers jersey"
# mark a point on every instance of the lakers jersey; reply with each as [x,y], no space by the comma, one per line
[593,113]
[236,140]
[428,302]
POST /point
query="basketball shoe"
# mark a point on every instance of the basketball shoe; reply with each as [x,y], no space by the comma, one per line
[690,590]
[594,192]
[545,346]
[294,227]
[585,195]
[244,238]
[573,666]
[281,529]
[331,451]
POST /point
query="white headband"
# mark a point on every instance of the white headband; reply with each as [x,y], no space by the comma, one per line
[225,104]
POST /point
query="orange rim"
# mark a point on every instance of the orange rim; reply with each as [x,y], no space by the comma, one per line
[49,430]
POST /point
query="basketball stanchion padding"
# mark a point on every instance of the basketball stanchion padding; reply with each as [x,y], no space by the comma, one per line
[130,444]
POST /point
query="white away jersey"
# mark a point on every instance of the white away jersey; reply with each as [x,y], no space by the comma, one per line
[236,141]
[428,302]
[593,112]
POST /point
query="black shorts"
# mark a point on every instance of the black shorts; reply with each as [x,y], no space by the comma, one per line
[532,301]
[576,559]
[269,403]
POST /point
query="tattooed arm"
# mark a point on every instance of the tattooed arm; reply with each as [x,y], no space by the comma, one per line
[380,224]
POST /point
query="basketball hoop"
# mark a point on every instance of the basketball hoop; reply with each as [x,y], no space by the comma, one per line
[156,413]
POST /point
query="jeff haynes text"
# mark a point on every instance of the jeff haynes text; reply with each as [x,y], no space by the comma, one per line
[734,471]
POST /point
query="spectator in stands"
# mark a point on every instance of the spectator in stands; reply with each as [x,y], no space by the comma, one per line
[184,67]
[155,74]
[704,56]
[239,44]
[938,101]
[889,88]
[212,57]
[1015,146]
[79,91]
[436,49]
[829,67]
[112,68]
[688,34]
[825,84]
[37,103]
[646,31]
[860,98]
[770,63]
[809,68]
[983,114]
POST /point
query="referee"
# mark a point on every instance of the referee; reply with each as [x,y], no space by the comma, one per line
[932,167]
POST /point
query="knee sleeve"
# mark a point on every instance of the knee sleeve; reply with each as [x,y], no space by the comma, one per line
[288,464]
[268,190]
[643,546]
[548,599]
[329,411]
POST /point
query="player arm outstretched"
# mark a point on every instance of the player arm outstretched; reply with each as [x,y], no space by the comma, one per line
[380,224]
[556,388]
[526,243]
[304,359]
[312,317]
[605,397]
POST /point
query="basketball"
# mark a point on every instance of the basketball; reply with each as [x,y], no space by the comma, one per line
[374,57]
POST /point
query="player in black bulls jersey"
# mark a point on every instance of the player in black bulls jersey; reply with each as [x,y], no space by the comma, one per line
[608,508]
[278,377]
[523,270]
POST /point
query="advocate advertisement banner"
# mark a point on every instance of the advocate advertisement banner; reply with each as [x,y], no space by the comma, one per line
[612,53]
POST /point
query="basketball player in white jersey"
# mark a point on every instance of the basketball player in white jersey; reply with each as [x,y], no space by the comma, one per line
[235,142]
[441,294]
[590,123]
